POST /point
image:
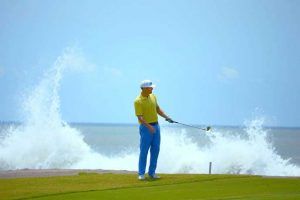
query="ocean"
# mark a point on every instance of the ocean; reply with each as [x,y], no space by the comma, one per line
[253,149]
[44,140]
[113,139]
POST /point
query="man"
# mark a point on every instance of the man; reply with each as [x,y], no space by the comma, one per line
[146,110]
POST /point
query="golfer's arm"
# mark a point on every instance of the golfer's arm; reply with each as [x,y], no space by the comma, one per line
[161,113]
[143,121]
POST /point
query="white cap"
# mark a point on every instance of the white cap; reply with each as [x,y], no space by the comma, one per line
[146,84]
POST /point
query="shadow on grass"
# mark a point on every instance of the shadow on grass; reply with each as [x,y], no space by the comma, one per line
[149,179]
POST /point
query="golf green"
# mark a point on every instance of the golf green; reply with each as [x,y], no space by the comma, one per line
[126,186]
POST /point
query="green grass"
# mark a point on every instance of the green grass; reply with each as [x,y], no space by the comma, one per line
[126,186]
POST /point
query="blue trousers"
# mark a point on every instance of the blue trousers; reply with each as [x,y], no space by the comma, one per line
[152,141]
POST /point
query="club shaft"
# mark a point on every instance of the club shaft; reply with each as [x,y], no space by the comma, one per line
[191,126]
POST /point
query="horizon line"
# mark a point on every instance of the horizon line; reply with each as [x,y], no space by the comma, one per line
[130,123]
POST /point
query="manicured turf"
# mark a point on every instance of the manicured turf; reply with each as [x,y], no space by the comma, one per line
[126,186]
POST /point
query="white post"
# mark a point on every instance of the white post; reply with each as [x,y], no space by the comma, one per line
[209,167]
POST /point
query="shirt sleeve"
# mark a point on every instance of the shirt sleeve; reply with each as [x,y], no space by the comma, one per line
[138,108]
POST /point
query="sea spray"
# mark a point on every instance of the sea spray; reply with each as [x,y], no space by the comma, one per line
[44,140]
[246,152]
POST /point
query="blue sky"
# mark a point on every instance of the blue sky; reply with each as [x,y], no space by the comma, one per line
[214,62]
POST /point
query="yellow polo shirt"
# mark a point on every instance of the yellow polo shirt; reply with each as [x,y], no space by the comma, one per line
[146,106]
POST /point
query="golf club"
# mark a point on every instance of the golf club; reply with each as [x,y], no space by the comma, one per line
[204,129]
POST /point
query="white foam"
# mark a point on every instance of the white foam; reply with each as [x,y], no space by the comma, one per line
[46,141]
[229,152]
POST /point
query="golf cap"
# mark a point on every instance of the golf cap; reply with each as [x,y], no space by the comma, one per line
[146,84]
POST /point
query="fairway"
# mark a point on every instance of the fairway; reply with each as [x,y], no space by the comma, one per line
[125,186]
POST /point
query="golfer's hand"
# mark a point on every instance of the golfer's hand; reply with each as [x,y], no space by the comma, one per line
[169,120]
[151,129]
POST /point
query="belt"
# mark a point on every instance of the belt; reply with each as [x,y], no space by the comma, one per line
[153,123]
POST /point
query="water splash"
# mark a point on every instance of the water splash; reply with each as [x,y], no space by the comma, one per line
[249,152]
[46,141]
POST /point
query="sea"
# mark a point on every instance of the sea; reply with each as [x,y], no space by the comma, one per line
[43,140]
[253,149]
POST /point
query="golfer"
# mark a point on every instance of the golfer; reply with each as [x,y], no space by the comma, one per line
[146,110]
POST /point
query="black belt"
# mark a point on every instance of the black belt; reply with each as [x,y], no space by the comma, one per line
[153,123]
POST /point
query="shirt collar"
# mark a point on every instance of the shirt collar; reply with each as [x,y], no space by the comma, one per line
[142,97]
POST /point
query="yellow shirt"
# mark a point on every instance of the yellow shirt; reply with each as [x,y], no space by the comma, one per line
[146,106]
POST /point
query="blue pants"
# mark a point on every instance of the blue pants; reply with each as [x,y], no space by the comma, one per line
[152,141]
